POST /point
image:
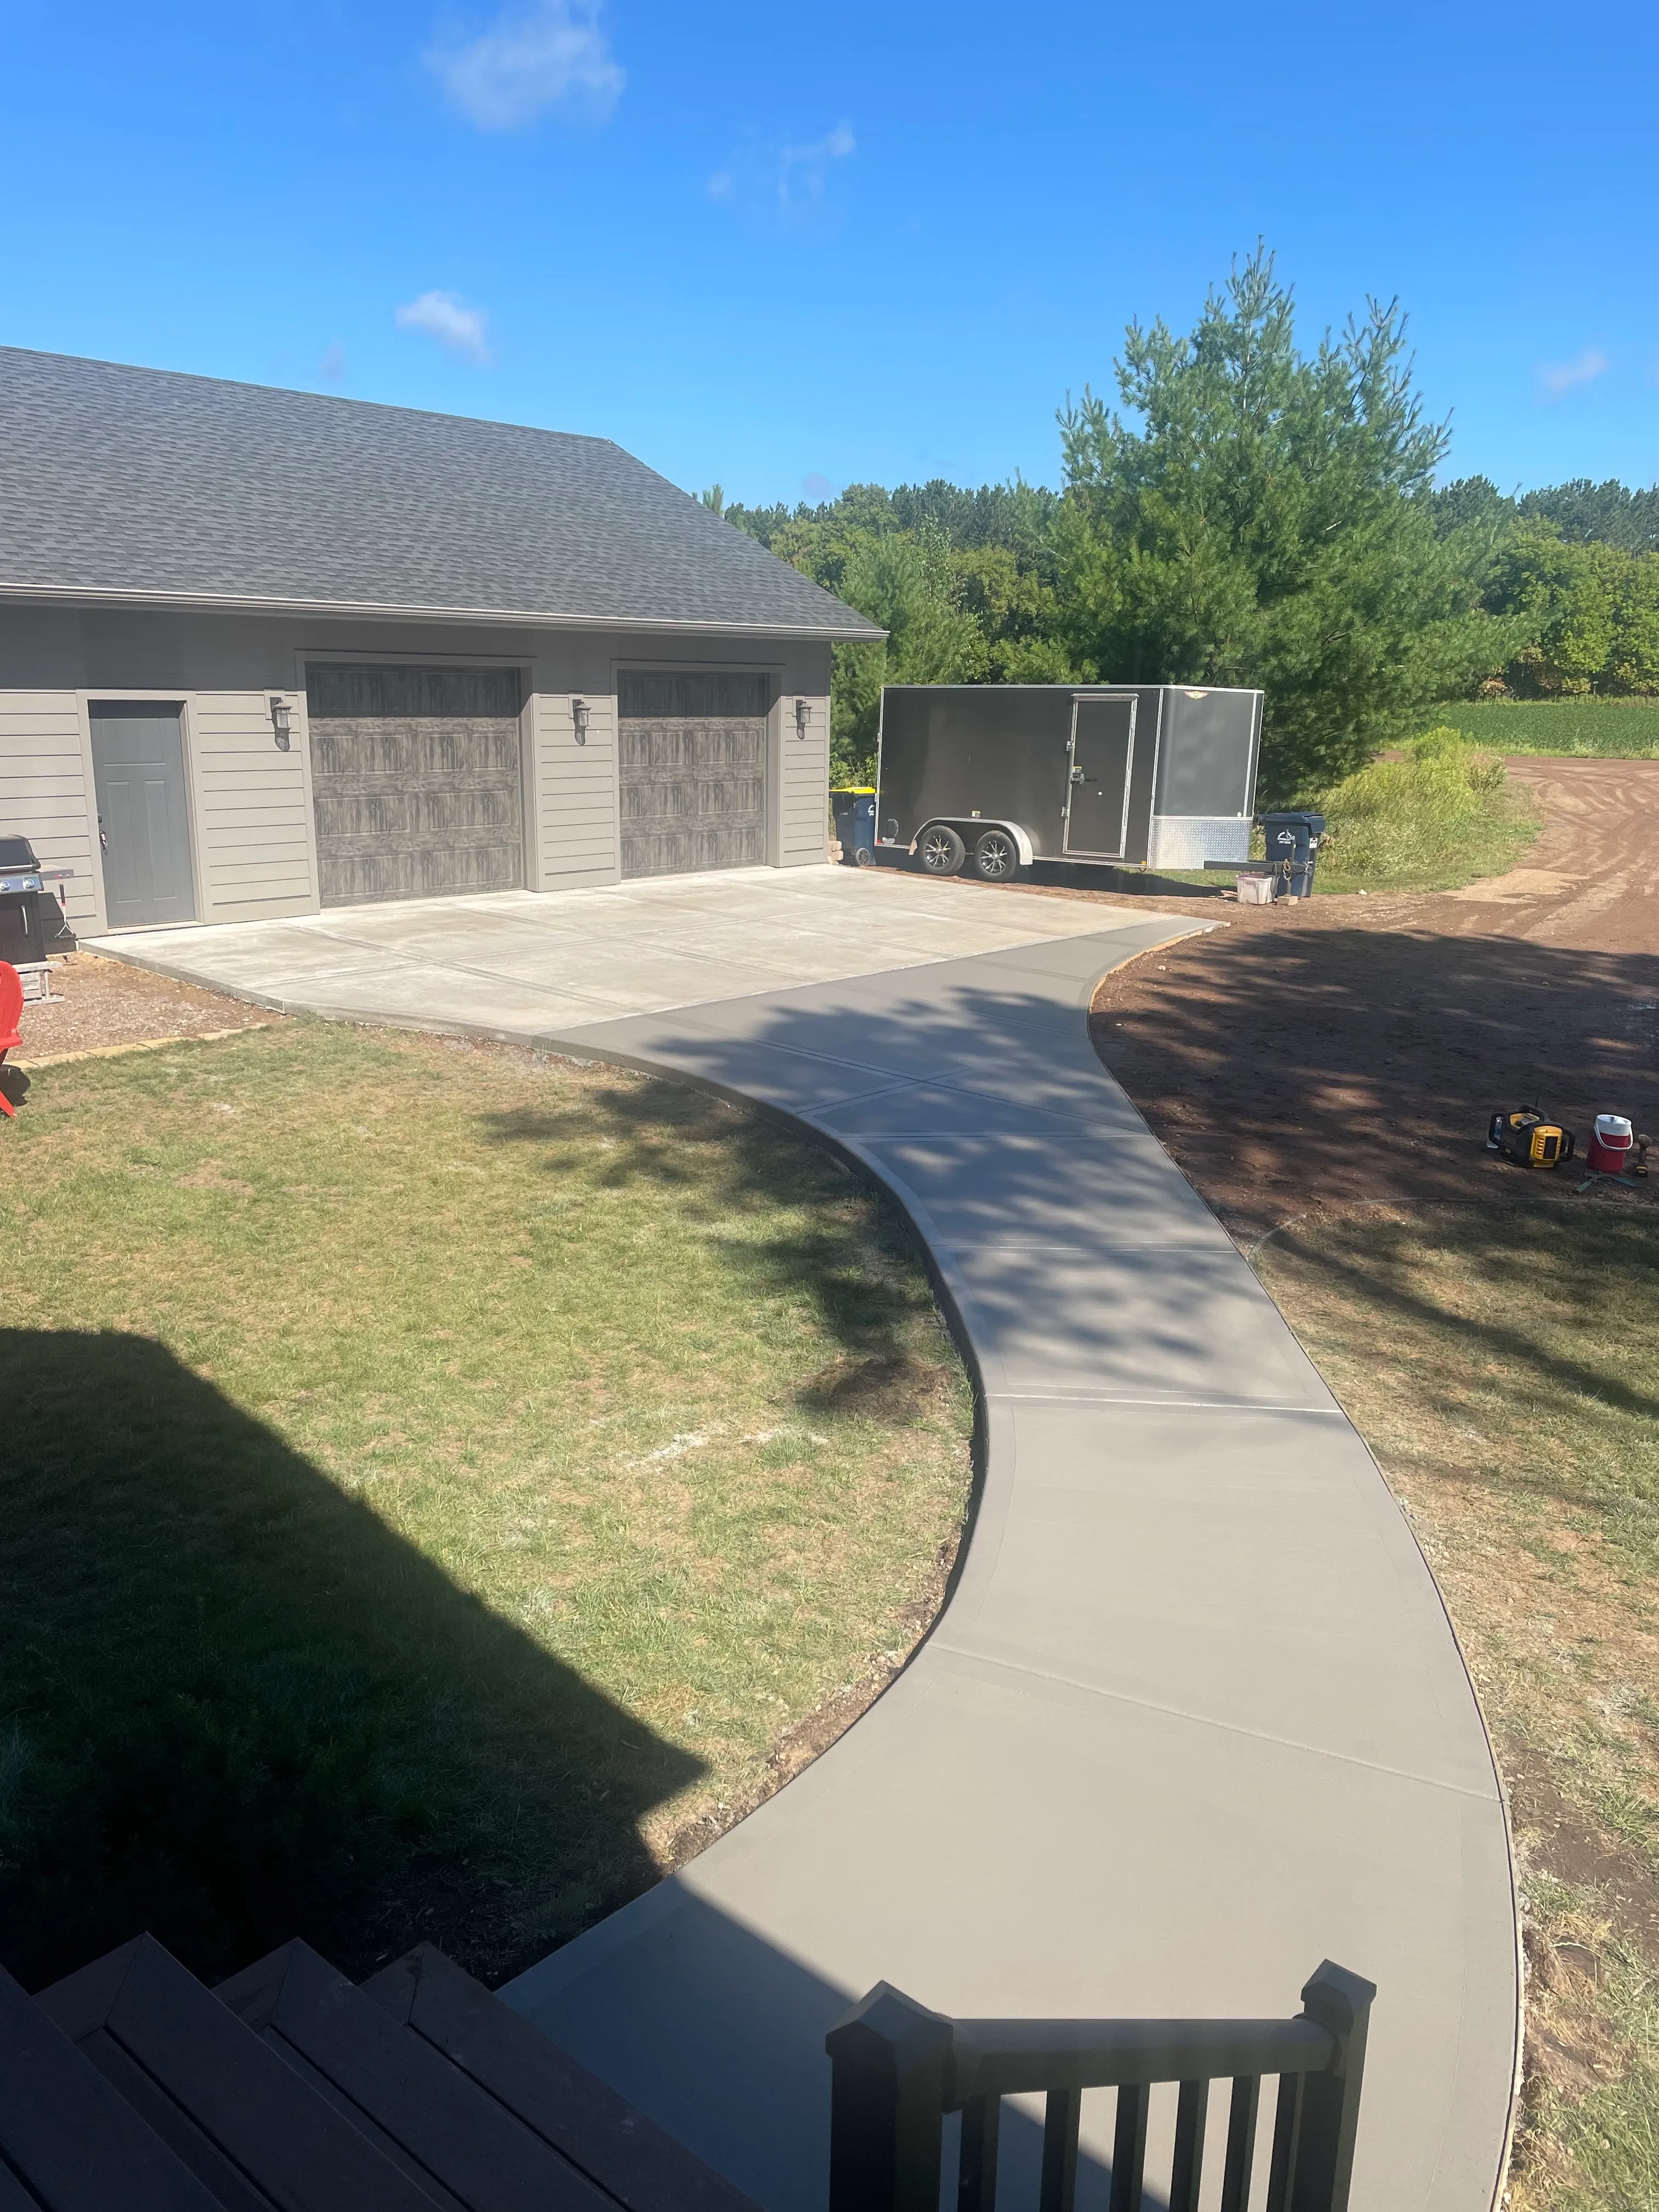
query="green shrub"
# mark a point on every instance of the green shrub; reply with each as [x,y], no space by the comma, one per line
[1437,816]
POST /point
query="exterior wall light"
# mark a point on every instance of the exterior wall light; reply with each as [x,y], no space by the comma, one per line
[578,713]
[803,715]
[281,722]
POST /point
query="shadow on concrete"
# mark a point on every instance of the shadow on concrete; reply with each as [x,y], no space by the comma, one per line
[1084,876]
[239,1708]
[764,2018]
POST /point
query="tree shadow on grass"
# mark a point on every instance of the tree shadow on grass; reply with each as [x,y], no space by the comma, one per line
[1520,1247]
[727,1164]
[236,1707]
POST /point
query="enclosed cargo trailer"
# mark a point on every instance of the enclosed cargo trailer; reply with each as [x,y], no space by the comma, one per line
[996,776]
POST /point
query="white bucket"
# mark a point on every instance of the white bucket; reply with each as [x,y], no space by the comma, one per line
[1257,890]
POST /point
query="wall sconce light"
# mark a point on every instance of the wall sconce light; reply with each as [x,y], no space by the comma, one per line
[281,722]
[803,715]
[579,713]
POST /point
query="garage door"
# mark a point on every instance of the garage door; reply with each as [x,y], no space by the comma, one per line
[415,782]
[693,771]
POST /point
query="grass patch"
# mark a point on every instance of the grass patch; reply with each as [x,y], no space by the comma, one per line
[1440,816]
[1617,729]
[1589,2136]
[434,1482]
[1500,1363]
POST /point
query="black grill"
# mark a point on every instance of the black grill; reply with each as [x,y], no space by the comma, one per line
[32,920]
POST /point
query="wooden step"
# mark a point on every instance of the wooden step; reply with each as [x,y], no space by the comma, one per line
[242,2120]
[464,2148]
[572,2110]
[68,2142]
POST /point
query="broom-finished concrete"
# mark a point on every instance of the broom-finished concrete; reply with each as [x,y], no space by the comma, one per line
[1194,1718]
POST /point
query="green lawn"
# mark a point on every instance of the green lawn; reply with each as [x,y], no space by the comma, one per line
[1501,1363]
[1621,728]
[434,1482]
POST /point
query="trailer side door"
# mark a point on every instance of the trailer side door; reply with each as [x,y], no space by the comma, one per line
[1102,758]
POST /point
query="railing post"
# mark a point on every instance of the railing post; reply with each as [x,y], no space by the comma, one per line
[1342,2004]
[887,2105]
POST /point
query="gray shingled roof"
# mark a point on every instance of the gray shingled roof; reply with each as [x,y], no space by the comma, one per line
[133,483]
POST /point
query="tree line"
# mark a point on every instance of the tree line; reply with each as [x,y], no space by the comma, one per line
[1249,511]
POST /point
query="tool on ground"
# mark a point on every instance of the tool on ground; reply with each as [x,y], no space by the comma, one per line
[1613,1146]
[1531,1138]
[11,1013]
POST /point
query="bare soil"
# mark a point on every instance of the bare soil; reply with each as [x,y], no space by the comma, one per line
[106,1003]
[1349,1048]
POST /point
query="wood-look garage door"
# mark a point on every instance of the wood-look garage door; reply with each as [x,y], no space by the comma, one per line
[693,771]
[416,779]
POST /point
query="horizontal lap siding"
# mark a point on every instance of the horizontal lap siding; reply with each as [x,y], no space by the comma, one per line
[45,792]
[254,858]
[804,809]
[575,788]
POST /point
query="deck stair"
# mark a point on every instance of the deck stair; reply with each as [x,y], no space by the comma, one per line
[130,2086]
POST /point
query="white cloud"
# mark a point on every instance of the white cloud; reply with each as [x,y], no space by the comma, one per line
[552,53]
[802,169]
[446,316]
[1557,379]
[722,186]
[332,367]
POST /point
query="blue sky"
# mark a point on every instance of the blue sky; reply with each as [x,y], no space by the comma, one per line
[790,246]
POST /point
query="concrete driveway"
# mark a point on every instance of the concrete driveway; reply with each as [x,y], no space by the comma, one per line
[526,965]
[1194,1716]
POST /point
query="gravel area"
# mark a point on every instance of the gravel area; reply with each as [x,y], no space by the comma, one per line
[107,1004]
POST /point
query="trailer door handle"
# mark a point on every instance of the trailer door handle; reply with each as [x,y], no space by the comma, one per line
[1077,775]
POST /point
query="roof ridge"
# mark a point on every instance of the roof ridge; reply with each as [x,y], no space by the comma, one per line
[299,392]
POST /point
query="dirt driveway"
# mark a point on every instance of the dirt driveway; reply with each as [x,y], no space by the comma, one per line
[1354,1047]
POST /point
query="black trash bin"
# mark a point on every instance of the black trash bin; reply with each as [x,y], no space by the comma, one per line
[1293,846]
[854,810]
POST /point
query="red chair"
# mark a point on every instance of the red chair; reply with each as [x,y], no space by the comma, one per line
[11,1013]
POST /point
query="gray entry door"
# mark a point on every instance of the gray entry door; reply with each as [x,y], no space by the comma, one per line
[143,820]
[1103,751]
[692,768]
[415,782]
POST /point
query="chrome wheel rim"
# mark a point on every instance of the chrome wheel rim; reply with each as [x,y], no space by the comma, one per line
[936,852]
[993,856]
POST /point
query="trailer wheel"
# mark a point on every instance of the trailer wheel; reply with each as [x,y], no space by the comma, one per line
[942,851]
[996,857]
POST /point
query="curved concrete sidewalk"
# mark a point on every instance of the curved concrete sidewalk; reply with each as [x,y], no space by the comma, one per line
[1193,1719]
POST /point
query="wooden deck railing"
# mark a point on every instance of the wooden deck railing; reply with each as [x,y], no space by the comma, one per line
[898,2070]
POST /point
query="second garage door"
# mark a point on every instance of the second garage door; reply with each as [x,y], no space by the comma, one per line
[415,782]
[692,770]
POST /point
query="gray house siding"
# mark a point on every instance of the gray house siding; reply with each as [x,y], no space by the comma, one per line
[252,817]
[574,841]
[255,839]
[46,790]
